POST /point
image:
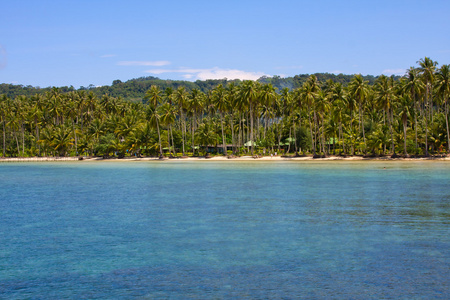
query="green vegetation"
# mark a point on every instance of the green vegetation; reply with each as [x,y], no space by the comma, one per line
[317,114]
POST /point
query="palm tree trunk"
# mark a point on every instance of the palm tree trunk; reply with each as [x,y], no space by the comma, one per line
[339,137]
[17,142]
[404,134]
[426,122]
[168,139]
[361,113]
[390,118]
[295,140]
[415,122]
[193,132]
[279,136]
[183,129]
[23,138]
[251,128]
[233,142]
[446,124]
[159,139]
[173,144]
[223,135]
[4,137]
[290,138]
[426,134]
[312,136]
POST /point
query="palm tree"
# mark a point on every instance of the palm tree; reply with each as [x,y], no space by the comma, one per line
[310,91]
[5,105]
[168,117]
[62,139]
[206,134]
[97,129]
[221,103]
[384,96]
[338,100]
[154,98]
[405,111]
[54,104]
[358,90]
[231,99]
[180,97]
[322,107]
[443,90]
[20,108]
[427,69]
[36,115]
[415,87]
[267,98]
[195,106]
[249,94]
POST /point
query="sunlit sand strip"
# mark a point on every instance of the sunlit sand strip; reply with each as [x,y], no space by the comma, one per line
[222,158]
[37,159]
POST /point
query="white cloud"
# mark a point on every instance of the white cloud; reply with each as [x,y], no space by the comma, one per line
[394,72]
[213,73]
[158,63]
[108,55]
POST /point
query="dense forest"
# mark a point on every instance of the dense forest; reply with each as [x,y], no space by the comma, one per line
[319,114]
[135,89]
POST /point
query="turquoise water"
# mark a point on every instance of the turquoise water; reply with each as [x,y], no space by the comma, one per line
[225,230]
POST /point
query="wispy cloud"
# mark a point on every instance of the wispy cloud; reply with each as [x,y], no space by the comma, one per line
[213,73]
[108,55]
[158,63]
[394,72]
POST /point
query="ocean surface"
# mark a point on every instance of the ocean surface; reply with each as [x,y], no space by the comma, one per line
[225,230]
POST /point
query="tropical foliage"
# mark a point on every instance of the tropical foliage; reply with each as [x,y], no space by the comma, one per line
[406,115]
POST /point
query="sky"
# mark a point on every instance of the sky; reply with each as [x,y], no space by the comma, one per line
[82,43]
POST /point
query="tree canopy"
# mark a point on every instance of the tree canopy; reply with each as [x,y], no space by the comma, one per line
[318,114]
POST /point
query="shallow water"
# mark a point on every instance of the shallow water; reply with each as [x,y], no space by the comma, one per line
[196,230]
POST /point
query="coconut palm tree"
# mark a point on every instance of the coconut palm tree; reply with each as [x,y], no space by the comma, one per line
[154,98]
[232,96]
[62,139]
[310,91]
[180,96]
[220,101]
[249,95]
[5,110]
[338,100]
[168,117]
[415,87]
[426,70]
[267,99]
[35,115]
[405,108]
[206,134]
[358,90]
[195,106]
[385,99]
[443,90]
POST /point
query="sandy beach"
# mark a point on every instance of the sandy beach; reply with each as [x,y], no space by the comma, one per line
[224,158]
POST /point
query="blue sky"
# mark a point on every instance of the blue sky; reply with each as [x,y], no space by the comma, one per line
[63,43]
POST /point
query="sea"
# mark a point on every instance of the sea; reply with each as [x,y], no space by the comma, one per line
[225,230]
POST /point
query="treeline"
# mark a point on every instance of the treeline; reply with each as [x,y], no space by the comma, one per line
[135,89]
[391,116]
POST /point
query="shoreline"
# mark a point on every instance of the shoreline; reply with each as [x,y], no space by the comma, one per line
[222,158]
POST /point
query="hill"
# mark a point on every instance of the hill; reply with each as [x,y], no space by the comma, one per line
[134,89]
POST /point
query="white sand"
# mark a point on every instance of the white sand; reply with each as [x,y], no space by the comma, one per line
[222,158]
